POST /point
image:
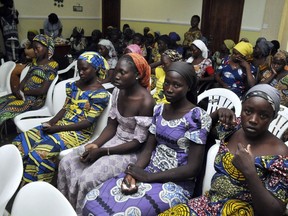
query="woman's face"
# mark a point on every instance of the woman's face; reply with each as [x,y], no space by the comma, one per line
[137,40]
[124,76]
[236,56]
[166,61]
[278,64]
[85,70]
[175,87]
[256,116]
[162,46]
[103,51]
[196,52]
[40,50]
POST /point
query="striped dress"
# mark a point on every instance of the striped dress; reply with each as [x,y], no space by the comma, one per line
[40,150]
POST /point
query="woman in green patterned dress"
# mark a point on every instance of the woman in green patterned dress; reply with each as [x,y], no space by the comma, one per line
[32,91]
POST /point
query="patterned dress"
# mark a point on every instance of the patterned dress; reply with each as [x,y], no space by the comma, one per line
[235,78]
[173,138]
[159,94]
[40,150]
[76,179]
[10,106]
[229,194]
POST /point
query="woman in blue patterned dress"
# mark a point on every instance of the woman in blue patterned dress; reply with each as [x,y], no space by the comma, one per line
[72,126]
[36,83]
[251,164]
[164,174]
[237,74]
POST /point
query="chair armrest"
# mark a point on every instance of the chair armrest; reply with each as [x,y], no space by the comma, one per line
[42,112]
[27,124]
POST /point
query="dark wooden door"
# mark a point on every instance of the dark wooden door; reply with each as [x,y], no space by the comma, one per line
[221,19]
[111,14]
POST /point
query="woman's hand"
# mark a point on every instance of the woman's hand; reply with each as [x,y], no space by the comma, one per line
[128,185]
[92,155]
[226,117]
[137,173]
[17,94]
[244,160]
[50,129]
[91,146]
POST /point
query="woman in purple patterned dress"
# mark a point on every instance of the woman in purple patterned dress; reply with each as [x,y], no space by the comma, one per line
[121,140]
[164,174]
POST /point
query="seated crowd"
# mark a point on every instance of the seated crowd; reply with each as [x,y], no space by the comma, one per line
[148,158]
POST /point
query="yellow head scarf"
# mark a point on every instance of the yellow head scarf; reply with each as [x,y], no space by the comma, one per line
[245,48]
[229,44]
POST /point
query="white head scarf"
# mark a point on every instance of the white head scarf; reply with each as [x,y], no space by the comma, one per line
[108,44]
[201,45]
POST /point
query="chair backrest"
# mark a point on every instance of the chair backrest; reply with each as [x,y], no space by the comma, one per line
[279,125]
[11,172]
[24,73]
[59,96]
[221,98]
[5,73]
[210,171]
[41,198]
[49,97]
[102,121]
[69,67]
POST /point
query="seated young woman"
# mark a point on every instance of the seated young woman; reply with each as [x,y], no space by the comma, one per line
[72,126]
[164,174]
[31,93]
[121,140]
[251,164]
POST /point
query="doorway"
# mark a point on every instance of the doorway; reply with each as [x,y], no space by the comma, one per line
[111,14]
[221,19]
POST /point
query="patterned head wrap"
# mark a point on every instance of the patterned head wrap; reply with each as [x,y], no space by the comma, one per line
[229,44]
[46,41]
[187,71]
[134,48]
[266,92]
[173,55]
[93,58]
[282,55]
[245,48]
[108,44]
[143,68]
[201,45]
[151,33]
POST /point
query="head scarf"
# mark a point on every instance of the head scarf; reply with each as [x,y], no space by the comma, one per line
[187,71]
[143,69]
[173,55]
[93,58]
[151,33]
[265,47]
[266,92]
[282,55]
[46,41]
[79,30]
[134,48]
[201,45]
[108,44]
[34,31]
[229,44]
[174,36]
[245,48]
[260,39]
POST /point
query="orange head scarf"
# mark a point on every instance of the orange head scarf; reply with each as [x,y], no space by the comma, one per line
[143,69]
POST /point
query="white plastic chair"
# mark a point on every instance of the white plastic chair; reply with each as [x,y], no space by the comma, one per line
[210,171]
[279,125]
[5,73]
[69,67]
[46,110]
[221,98]
[41,198]
[101,124]
[11,172]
